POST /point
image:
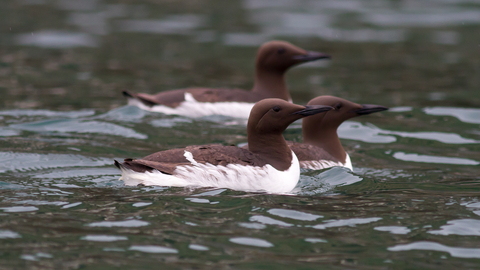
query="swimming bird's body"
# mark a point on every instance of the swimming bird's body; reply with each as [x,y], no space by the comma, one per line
[321,147]
[199,102]
[316,158]
[274,58]
[226,167]
[269,165]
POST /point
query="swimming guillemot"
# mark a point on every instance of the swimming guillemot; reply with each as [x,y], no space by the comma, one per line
[321,147]
[273,59]
[269,165]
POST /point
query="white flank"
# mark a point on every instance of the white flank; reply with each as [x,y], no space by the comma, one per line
[232,176]
[324,164]
[192,108]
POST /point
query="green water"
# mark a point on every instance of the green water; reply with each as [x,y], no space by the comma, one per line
[412,201]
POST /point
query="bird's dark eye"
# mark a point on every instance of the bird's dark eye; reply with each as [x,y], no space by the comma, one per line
[281,51]
[338,106]
[276,109]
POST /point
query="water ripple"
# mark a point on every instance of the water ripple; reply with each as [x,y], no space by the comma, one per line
[103,238]
[48,113]
[153,249]
[293,214]
[141,204]
[79,173]
[252,225]
[434,159]
[56,39]
[79,126]
[71,205]
[4,234]
[175,24]
[249,241]
[124,114]
[35,202]
[29,161]
[269,221]
[124,223]
[8,132]
[372,134]
[325,181]
[359,132]
[453,251]
[393,229]
[18,209]
[198,247]
[315,240]
[463,114]
[459,227]
[352,222]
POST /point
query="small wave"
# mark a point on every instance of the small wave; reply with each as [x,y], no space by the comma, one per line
[453,251]
[393,229]
[10,161]
[459,227]
[359,132]
[48,113]
[434,159]
[56,39]
[352,222]
[249,241]
[325,181]
[372,134]
[124,114]
[466,115]
[79,126]
[153,249]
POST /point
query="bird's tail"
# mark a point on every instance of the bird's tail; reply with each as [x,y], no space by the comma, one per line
[128,164]
[144,100]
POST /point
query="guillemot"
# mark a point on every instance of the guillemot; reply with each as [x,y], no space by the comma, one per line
[321,147]
[269,165]
[273,59]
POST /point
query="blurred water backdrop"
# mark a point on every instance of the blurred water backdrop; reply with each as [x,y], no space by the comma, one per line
[412,201]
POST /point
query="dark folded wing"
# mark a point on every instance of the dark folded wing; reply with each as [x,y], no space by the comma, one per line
[167,161]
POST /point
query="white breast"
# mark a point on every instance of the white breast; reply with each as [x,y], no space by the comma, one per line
[324,164]
[232,176]
[192,108]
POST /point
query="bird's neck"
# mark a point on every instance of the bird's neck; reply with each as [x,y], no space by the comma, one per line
[271,84]
[327,139]
[273,148]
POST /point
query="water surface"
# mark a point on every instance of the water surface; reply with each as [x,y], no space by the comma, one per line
[412,201]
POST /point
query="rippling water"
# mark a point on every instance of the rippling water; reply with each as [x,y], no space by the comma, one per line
[412,201]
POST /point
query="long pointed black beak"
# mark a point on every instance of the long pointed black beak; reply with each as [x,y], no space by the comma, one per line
[370,108]
[313,109]
[311,56]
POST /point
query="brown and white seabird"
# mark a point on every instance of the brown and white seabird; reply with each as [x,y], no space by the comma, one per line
[274,58]
[269,164]
[321,147]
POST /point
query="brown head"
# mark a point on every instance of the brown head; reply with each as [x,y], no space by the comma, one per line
[273,59]
[268,119]
[321,130]
[278,56]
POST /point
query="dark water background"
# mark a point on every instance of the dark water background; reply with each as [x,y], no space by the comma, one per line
[412,201]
